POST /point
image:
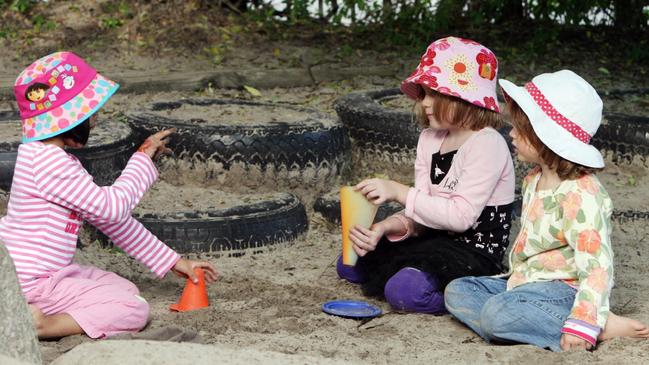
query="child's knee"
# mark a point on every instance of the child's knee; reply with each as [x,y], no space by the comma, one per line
[139,312]
[496,316]
[414,291]
[456,292]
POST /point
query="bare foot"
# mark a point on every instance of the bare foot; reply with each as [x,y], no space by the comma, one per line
[617,326]
[37,316]
[55,325]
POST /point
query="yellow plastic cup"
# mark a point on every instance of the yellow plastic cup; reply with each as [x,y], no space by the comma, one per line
[355,209]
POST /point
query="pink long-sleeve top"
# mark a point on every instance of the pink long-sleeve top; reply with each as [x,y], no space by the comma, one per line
[481,174]
[52,194]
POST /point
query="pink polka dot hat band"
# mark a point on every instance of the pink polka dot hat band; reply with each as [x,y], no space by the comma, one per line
[565,112]
[456,67]
[551,112]
[58,92]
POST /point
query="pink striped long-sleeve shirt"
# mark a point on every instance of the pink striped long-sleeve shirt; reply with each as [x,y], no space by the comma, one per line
[52,194]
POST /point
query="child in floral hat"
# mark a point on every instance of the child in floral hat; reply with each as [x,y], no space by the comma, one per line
[51,194]
[560,275]
[457,217]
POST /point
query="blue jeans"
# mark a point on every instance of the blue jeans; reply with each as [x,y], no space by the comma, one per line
[532,313]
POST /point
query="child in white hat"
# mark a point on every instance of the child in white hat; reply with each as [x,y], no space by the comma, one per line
[556,294]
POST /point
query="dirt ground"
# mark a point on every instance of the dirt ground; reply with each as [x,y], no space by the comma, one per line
[272,301]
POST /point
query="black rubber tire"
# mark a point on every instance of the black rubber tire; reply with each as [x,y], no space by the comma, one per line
[234,231]
[373,126]
[295,146]
[624,135]
[8,151]
[328,206]
[104,161]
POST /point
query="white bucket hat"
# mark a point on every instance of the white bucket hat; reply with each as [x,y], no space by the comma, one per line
[565,112]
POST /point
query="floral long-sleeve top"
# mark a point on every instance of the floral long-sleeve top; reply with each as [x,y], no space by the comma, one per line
[566,235]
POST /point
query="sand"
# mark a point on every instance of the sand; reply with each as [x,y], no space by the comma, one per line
[164,198]
[271,302]
[232,114]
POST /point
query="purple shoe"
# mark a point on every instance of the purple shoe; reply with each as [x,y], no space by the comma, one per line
[412,290]
[349,273]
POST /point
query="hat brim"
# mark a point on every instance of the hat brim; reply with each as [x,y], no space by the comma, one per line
[410,89]
[555,137]
[75,111]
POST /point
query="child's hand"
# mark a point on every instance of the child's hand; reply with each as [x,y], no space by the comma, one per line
[365,240]
[376,190]
[570,343]
[379,191]
[156,144]
[185,268]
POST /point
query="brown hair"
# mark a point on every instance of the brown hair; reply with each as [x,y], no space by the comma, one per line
[567,170]
[456,112]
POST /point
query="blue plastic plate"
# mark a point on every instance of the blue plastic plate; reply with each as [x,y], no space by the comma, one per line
[351,309]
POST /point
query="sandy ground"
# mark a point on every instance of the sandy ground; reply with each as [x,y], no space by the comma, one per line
[272,301]
[232,114]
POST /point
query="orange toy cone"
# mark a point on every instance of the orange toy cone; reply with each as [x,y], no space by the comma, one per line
[354,209]
[194,295]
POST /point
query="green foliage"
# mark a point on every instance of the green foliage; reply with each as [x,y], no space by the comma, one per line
[111,22]
[22,6]
[116,12]
[42,24]
[639,52]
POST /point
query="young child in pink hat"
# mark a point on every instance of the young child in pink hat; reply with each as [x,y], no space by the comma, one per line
[556,293]
[52,194]
[457,217]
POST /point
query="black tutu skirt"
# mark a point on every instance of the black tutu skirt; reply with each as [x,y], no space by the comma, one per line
[434,252]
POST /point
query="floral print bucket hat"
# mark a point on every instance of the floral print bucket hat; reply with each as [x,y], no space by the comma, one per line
[456,67]
[58,92]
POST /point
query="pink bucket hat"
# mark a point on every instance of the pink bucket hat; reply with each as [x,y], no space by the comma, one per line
[457,67]
[57,93]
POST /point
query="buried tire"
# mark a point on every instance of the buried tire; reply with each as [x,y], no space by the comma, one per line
[277,142]
[328,206]
[376,127]
[232,231]
[109,148]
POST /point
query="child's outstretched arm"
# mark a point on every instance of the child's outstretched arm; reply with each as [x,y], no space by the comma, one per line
[62,180]
[587,228]
[135,240]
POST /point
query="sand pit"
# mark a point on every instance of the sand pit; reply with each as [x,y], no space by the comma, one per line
[164,198]
[272,301]
[228,114]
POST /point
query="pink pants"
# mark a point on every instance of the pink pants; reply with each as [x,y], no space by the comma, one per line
[101,302]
